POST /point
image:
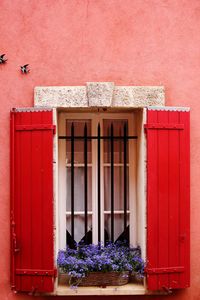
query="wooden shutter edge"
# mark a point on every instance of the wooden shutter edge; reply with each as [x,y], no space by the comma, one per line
[12,187]
[185,236]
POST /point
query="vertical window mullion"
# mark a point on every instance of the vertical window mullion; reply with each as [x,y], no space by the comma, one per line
[62,187]
[94,182]
[85,181]
[131,173]
[99,180]
[112,182]
[72,181]
[125,176]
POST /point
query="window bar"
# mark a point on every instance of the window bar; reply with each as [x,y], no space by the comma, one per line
[72,181]
[99,182]
[85,181]
[125,176]
[131,137]
[112,183]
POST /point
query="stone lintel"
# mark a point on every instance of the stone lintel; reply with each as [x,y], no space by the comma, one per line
[138,96]
[99,94]
[60,96]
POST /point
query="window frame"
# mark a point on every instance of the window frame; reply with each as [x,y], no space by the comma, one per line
[96,118]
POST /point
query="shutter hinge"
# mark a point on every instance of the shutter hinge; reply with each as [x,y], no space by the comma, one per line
[33,291]
[36,127]
[14,236]
[55,273]
[54,129]
[167,290]
[13,288]
[164,270]
[164,126]
[35,272]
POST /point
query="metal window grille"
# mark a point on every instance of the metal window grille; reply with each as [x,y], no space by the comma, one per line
[111,138]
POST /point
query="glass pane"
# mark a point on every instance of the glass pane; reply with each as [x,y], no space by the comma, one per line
[79,229]
[118,223]
[79,206]
[79,178]
[118,131]
[78,143]
[118,183]
[118,188]
[79,188]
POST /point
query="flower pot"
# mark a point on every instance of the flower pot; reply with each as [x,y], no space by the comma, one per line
[136,278]
[101,279]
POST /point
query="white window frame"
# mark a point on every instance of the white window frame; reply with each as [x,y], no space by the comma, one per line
[95,117]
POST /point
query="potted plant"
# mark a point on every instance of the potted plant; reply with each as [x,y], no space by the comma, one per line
[87,264]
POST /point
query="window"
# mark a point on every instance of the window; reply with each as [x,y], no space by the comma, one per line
[97,198]
[157,193]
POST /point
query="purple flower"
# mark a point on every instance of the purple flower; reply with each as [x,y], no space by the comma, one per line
[90,258]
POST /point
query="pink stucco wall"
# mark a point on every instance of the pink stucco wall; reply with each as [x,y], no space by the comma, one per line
[130,42]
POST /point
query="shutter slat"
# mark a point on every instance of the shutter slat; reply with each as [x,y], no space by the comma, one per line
[162,190]
[25,201]
[47,192]
[174,187]
[37,167]
[17,204]
[32,202]
[12,227]
[152,183]
[167,200]
[184,196]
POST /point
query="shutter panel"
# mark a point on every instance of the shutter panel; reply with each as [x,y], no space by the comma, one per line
[32,258]
[168,209]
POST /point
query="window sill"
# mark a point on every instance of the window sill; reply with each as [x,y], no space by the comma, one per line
[128,289]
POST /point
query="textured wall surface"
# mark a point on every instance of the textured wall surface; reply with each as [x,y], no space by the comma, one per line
[128,42]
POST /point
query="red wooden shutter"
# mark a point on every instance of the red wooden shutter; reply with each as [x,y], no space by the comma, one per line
[32,262]
[168,210]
